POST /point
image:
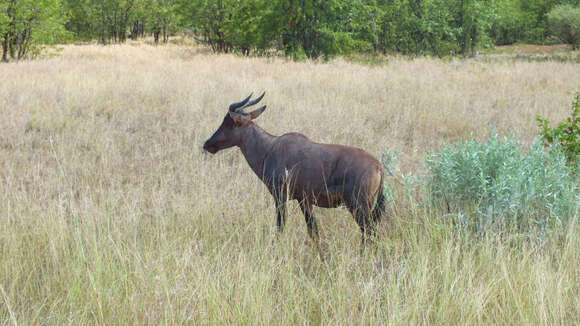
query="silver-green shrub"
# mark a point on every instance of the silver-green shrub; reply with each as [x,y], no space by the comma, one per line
[496,183]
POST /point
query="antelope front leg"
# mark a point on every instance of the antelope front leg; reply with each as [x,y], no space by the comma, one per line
[278,190]
[279,194]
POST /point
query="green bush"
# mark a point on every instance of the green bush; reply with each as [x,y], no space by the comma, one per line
[564,23]
[496,183]
[567,134]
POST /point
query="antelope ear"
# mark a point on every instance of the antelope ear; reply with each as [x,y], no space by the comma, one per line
[256,113]
[240,119]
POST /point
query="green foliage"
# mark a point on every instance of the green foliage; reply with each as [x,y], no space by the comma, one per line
[79,22]
[524,20]
[4,19]
[564,22]
[220,23]
[108,20]
[26,25]
[308,28]
[509,25]
[496,183]
[566,135]
[113,21]
[159,18]
[316,28]
[437,27]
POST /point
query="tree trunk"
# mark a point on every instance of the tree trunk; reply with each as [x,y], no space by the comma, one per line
[474,41]
[5,48]
[22,45]
[165,36]
[156,36]
[137,30]
[11,49]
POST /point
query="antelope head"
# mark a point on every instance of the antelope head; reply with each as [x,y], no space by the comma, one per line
[230,132]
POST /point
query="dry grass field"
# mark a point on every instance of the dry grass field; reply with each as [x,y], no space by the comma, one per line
[111,214]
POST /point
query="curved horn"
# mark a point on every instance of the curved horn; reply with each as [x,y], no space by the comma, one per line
[236,105]
[255,101]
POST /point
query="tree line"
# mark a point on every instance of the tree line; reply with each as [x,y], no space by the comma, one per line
[297,28]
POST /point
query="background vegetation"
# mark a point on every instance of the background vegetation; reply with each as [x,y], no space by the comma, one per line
[297,28]
[110,213]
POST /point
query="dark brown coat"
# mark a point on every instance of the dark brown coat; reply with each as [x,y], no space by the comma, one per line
[314,174]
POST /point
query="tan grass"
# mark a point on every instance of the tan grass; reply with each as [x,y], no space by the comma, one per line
[111,214]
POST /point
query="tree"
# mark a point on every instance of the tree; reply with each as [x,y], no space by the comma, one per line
[564,23]
[436,27]
[4,20]
[208,19]
[106,20]
[112,19]
[230,25]
[79,22]
[508,27]
[160,18]
[25,25]
[476,18]
[314,28]
[523,20]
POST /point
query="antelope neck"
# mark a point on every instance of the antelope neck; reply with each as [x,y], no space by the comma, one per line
[256,143]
